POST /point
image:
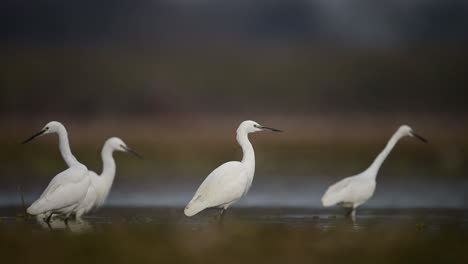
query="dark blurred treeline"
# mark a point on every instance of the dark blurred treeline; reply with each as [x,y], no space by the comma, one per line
[158,57]
[86,81]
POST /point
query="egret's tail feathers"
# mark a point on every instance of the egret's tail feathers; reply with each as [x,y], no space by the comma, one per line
[329,200]
[36,208]
[39,207]
[193,208]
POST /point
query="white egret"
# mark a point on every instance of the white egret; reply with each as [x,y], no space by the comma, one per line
[68,188]
[230,181]
[101,184]
[353,191]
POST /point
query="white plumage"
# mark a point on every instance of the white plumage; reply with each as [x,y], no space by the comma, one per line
[353,191]
[223,187]
[63,192]
[101,184]
[68,188]
[230,181]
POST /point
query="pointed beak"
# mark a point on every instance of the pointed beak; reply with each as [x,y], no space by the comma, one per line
[271,129]
[131,151]
[419,137]
[34,136]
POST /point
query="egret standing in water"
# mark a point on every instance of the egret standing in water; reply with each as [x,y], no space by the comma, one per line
[101,184]
[68,188]
[353,191]
[230,181]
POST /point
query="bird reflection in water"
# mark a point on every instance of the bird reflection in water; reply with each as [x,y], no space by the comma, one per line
[72,225]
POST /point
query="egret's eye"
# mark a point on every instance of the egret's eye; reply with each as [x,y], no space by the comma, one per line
[47,128]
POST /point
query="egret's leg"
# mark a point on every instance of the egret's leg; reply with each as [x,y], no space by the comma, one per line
[221,215]
[223,211]
[49,218]
[78,216]
[67,217]
[46,220]
[349,211]
[49,226]
[353,214]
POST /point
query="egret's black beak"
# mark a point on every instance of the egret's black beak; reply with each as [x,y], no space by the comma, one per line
[272,129]
[34,136]
[419,137]
[131,151]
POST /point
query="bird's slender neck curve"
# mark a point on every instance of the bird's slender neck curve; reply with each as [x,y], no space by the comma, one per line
[64,146]
[247,148]
[108,164]
[375,166]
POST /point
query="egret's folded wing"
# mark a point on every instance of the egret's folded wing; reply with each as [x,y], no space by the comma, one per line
[67,188]
[70,175]
[334,193]
[66,195]
[340,185]
[222,186]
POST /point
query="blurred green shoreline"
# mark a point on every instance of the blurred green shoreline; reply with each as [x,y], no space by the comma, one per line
[194,145]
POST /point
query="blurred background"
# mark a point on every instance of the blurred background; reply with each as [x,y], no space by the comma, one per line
[174,78]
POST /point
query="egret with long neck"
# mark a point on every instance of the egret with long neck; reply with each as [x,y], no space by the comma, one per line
[101,184]
[68,188]
[230,181]
[353,191]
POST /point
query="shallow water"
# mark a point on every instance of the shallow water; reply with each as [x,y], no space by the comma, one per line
[247,235]
[320,219]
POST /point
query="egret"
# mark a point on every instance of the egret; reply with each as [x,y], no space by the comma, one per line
[353,191]
[68,188]
[230,181]
[101,184]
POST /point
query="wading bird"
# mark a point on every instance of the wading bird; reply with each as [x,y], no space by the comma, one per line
[230,181]
[101,184]
[353,191]
[68,188]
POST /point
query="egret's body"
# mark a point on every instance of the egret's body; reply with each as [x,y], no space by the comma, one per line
[87,204]
[353,191]
[68,188]
[101,184]
[230,181]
